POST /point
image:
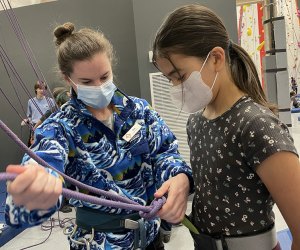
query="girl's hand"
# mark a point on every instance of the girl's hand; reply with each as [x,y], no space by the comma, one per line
[34,188]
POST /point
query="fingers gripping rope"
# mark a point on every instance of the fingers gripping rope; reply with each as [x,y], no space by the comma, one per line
[117,201]
[156,204]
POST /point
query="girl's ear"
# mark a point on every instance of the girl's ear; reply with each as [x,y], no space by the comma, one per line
[219,58]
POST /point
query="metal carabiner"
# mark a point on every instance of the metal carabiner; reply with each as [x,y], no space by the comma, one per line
[92,236]
[82,241]
[67,229]
[87,244]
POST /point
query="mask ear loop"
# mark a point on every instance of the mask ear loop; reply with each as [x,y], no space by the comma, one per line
[214,81]
[72,81]
[72,90]
[202,68]
[205,61]
[182,101]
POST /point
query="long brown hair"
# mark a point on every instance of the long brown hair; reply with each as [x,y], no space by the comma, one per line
[194,30]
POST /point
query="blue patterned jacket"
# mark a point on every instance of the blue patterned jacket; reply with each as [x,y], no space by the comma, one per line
[76,143]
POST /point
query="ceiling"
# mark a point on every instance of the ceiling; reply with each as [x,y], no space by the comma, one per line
[20,3]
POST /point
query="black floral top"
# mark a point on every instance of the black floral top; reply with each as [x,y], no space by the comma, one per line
[230,198]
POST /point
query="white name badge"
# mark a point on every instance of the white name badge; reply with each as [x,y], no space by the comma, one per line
[132,132]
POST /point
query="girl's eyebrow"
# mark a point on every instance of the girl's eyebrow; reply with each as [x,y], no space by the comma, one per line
[172,72]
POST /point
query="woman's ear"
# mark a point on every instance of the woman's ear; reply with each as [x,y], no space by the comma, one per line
[67,79]
[219,58]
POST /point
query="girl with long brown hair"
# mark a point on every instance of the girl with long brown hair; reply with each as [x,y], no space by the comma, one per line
[243,158]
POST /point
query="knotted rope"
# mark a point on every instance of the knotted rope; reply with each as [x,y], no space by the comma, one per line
[117,201]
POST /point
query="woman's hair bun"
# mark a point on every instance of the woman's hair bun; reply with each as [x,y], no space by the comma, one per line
[62,32]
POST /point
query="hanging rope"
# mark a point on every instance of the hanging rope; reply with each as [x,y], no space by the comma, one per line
[14,76]
[15,90]
[11,16]
[117,201]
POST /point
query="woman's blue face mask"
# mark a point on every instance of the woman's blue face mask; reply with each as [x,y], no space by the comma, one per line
[97,97]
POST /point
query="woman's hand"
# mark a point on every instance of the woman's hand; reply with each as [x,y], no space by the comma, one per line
[24,122]
[34,188]
[177,190]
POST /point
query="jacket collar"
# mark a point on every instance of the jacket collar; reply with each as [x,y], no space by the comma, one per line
[123,105]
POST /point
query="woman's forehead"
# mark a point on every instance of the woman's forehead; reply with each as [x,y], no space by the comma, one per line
[98,64]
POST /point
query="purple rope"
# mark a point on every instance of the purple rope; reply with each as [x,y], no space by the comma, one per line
[125,203]
[66,177]
[147,212]
[156,204]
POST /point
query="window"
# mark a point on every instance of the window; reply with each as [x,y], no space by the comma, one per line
[175,119]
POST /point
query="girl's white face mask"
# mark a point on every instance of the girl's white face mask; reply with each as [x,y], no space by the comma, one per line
[193,94]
